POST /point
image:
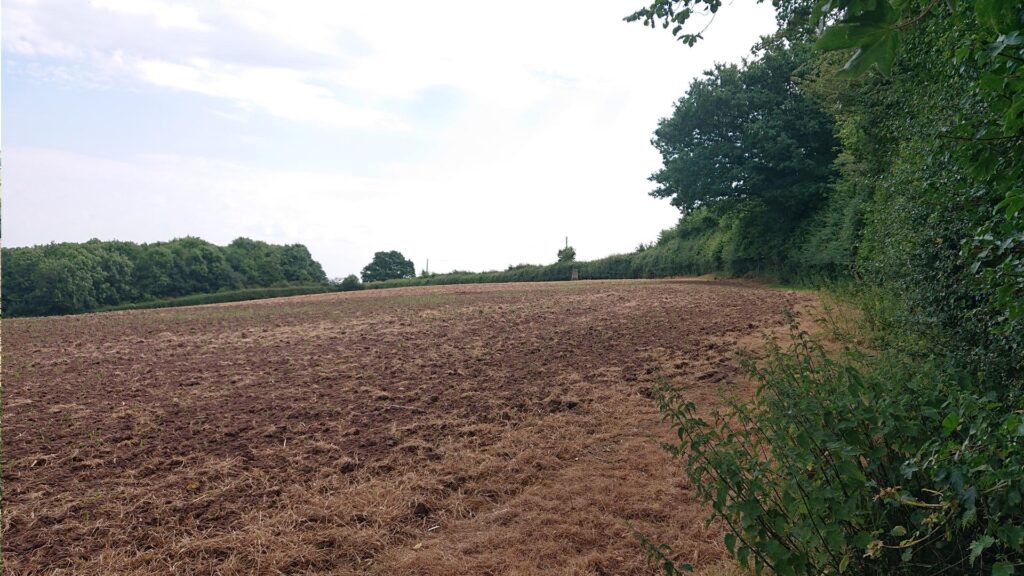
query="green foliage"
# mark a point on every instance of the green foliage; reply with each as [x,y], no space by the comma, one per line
[745,134]
[567,254]
[860,466]
[825,247]
[675,14]
[388,266]
[69,278]
[349,283]
[262,264]
[221,297]
[750,158]
[980,44]
[911,461]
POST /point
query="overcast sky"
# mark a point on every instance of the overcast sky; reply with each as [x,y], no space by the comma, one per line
[475,134]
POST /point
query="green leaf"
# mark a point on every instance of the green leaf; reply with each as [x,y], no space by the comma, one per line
[862,539]
[979,546]
[880,52]
[998,14]
[743,556]
[985,164]
[992,82]
[1002,569]
[776,552]
[841,36]
[1012,204]
[949,423]
[1013,122]
[820,9]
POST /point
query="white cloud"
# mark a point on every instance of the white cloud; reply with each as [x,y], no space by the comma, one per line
[281,92]
[350,61]
[165,15]
[552,105]
[24,34]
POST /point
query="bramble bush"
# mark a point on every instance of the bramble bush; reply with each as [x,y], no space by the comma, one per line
[858,465]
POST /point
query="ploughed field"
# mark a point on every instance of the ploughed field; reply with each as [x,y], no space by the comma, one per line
[485,429]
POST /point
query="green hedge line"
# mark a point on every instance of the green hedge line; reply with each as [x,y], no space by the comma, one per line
[226,296]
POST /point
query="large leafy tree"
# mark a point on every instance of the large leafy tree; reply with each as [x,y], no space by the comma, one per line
[747,133]
[298,266]
[567,254]
[986,46]
[199,267]
[388,266]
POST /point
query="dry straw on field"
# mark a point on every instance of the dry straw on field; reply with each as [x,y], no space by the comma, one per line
[447,430]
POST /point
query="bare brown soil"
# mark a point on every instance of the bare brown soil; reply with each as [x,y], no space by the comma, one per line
[490,429]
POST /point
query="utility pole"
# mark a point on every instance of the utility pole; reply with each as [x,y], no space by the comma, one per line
[566,241]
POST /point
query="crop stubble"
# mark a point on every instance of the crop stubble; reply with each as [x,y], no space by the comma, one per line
[486,429]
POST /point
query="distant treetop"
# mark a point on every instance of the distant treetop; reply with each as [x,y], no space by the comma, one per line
[388,266]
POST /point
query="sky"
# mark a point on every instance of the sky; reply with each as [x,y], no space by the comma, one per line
[477,135]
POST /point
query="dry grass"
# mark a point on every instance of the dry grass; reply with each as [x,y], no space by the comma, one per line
[436,430]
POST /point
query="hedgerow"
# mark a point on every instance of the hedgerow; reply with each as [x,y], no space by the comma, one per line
[908,459]
[859,465]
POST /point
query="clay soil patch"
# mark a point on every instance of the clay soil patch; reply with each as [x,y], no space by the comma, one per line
[490,429]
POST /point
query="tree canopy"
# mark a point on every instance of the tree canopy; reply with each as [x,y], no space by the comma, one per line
[747,132]
[388,266]
[349,283]
[567,254]
[68,277]
[982,42]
